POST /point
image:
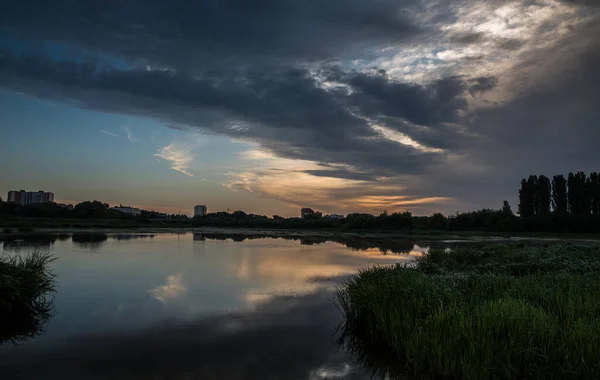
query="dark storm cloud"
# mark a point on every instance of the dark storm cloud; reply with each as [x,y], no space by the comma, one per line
[238,69]
[285,110]
[591,3]
[376,94]
[192,34]
[287,99]
[423,112]
[484,84]
[550,128]
[560,109]
[559,123]
[231,69]
[342,174]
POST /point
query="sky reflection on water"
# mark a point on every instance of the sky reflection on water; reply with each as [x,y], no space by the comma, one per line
[175,306]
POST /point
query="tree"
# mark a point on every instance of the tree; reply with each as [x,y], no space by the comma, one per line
[595,193]
[437,221]
[239,215]
[559,194]
[506,209]
[94,209]
[527,197]
[578,195]
[542,196]
[572,195]
[588,196]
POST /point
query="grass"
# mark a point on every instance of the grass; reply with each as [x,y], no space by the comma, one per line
[26,283]
[503,312]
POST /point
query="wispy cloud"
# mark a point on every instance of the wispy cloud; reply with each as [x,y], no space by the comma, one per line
[304,183]
[129,133]
[109,133]
[404,139]
[180,157]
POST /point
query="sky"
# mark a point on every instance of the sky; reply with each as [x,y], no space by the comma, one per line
[272,105]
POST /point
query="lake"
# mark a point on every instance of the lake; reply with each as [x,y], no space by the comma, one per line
[193,306]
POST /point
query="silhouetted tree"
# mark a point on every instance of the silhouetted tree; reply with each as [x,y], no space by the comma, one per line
[572,194]
[506,209]
[542,196]
[578,194]
[559,194]
[595,193]
[527,197]
[239,215]
[587,196]
[437,221]
[92,209]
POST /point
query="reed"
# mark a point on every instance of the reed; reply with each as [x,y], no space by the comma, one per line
[504,312]
[26,287]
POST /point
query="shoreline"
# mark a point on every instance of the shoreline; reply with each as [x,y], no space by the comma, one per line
[450,237]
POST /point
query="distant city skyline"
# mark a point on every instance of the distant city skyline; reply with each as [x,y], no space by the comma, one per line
[25,197]
[346,106]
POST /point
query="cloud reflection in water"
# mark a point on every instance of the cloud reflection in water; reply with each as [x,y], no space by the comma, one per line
[173,289]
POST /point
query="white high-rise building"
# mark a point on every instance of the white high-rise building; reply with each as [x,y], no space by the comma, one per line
[200,210]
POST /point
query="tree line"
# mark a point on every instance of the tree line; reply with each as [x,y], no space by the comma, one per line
[83,210]
[578,194]
[562,205]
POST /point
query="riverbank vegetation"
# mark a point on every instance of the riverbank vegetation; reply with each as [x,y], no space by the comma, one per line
[484,221]
[502,312]
[26,285]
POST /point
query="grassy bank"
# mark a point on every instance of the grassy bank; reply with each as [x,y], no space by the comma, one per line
[25,284]
[503,312]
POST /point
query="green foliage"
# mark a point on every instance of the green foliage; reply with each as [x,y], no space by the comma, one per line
[25,283]
[504,312]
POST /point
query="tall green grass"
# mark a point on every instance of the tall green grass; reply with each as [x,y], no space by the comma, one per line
[504,312]
[26,287]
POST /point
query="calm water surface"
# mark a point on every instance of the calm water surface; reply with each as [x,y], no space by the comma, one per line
[170,306]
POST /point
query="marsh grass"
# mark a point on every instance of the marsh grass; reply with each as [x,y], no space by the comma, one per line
[26,302]
[504,312]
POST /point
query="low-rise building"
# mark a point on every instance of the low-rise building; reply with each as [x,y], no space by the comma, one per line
[128,210]
[334,216]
